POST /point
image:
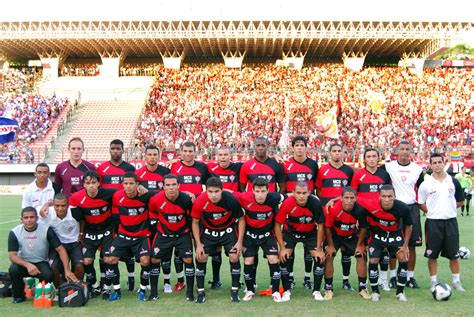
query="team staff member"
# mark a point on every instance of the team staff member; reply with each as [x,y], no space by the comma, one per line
[41,190]
[439,197]
[28,246]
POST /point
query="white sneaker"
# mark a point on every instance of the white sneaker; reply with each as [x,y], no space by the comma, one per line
[248,296]
[286,296]
[317,296]
[277,297]
[375,297]
[458,286]
[433,284]
[384,284]
[402,297]
[167,289]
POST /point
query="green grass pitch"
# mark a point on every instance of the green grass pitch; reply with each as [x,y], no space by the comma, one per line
[420,302]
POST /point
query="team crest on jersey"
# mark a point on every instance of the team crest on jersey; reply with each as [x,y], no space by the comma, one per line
[309,176]
[429,252]
[112,248]
[160,185]
[170,156]
[308,219]
[104,208]
[269,214]
[84,250]
[269,177]
[403,178]
[141,210]
[345,182]
[198,178]
[156,250]
[232,178]
[451,191]
[371,250]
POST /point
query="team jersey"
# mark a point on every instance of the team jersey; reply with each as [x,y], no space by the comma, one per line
[367,184]
[343,223]
[218,216]
[191,178]
[300,172]
[269,170]
[300,219]
[331,181]
[405,179]
[132,213]
[229,176]
[69,179]
[384,221]
[95,212]
[173,217]
[111,176]
[152,180]
[259,217]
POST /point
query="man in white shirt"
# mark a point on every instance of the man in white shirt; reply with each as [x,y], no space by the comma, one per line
[41,190]
[59,217]
[439,197]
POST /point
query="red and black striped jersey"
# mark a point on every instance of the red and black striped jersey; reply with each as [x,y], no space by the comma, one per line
[152,180]
[173,217]
[259,217]
[218,216]
[343,223]
[269,170]
[300,219]
[367,184]
[229,176]
[383,221]
[191,178]
[331,181]
[300,172]
[95,212]
[132,213]
[111,176]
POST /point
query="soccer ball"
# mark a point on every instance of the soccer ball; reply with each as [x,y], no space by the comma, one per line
[441,291]
[464,253]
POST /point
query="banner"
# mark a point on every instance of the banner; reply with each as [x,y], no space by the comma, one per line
[7,130]
[376,101]
[328,121]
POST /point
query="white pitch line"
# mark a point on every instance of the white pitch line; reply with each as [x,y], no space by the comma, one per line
[10,221]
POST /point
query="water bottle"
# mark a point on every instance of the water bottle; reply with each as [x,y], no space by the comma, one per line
[38,290]
[48,290]
[29,282]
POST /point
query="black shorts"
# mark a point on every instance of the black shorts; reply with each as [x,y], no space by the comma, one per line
[212,239]
[347,245]
[125,247]
[253,241]
[391,241]
[74,252]
[162,246]
[442,236]
[92,242]
[416,238]
[308,239]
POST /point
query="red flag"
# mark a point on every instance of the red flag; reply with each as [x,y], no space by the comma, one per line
[338,103]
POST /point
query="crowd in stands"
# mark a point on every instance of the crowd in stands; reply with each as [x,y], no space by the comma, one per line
[69,70]
[138,69]
[213,106]
[13,79]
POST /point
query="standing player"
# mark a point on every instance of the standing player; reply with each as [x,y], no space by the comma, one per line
[41,190]
[217,221]
[131,215]
[406,177]
[303,220]
[342,233]
[439,197]
[192,175]
[332,178]
[383,222]
[300,168]
[172,211]
[152,174]
[260,208]
[92,207]
[367,182]
[465,180]
[68,174]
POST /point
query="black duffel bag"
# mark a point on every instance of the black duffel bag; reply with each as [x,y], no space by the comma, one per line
[5,285]
[73,294]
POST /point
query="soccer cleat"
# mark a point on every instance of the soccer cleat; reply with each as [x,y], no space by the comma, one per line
[458,286]
[95,292]
[328,295]
[412,283]
[307,284]
[286,296]
[115,296]
[167,289]
[131,283]
[190,296]
[248,296]
[153,297]
[402,297]
[142,295]
[375,297]
[106,293]
[179,287]
[18,300]
[384,284]
[215,284]
[317,296]
[364,293]
[276,297]
[201,298]
[347,286]
[292,284]
[234,296]
[393,282]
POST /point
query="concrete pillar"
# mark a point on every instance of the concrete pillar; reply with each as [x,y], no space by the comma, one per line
[354,62]
[51,66]
[414,64]
[110,67]
[172,62]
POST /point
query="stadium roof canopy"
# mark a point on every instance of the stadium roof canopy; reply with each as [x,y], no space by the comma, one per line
[208,28]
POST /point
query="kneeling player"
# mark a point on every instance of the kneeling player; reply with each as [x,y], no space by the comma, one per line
[303,219]
[260,208]
[341,233]
[215,214]
[171,208]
